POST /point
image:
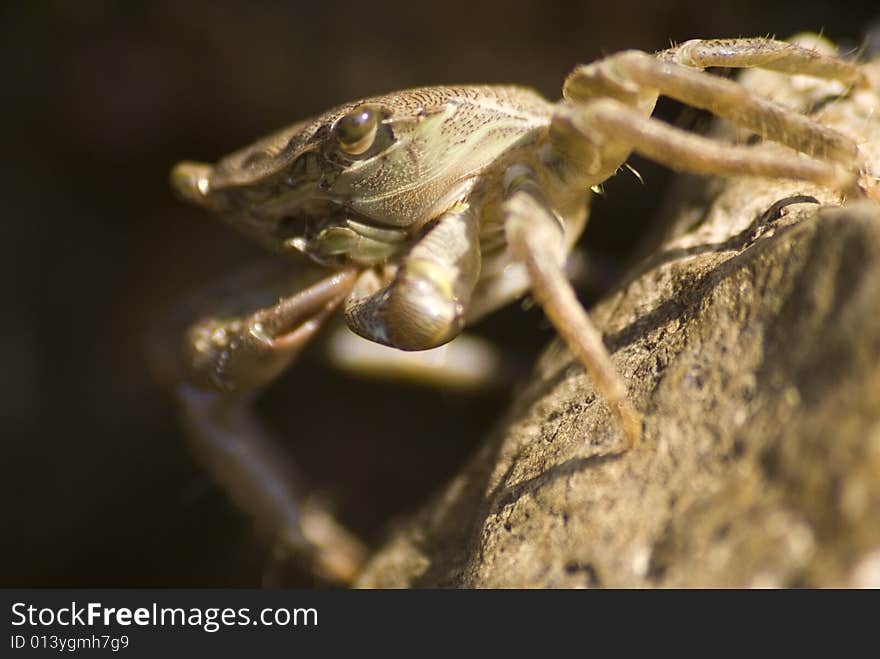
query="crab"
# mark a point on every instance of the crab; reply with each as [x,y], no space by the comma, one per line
[421,211]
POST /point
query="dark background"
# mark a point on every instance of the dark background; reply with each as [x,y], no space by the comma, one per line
[100,100]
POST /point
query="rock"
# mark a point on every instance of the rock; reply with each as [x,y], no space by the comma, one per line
[751,341]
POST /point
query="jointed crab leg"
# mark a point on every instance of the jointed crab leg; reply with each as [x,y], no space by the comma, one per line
[634,79]
[767,54]
[535,238]
[683,151]
[246,460]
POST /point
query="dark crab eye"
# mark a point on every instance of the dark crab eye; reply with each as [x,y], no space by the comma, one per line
[357,130]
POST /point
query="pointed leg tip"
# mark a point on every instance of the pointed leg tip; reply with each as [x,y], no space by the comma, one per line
[337,555]
[631,424]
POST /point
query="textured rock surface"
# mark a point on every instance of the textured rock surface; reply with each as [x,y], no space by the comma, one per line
[751,340]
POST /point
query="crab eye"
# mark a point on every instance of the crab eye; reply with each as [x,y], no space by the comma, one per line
[357,130]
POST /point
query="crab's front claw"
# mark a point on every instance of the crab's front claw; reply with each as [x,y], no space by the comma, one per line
[241,354]
[425,305]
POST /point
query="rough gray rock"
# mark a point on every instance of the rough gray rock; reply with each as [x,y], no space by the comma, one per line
[751,341]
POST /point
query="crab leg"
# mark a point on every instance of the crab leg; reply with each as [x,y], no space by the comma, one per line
[245,458]
[683,151]
[535,238]
[767,54]
[724,98]
[616,94]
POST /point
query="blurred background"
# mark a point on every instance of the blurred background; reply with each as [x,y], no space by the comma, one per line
[100,100]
